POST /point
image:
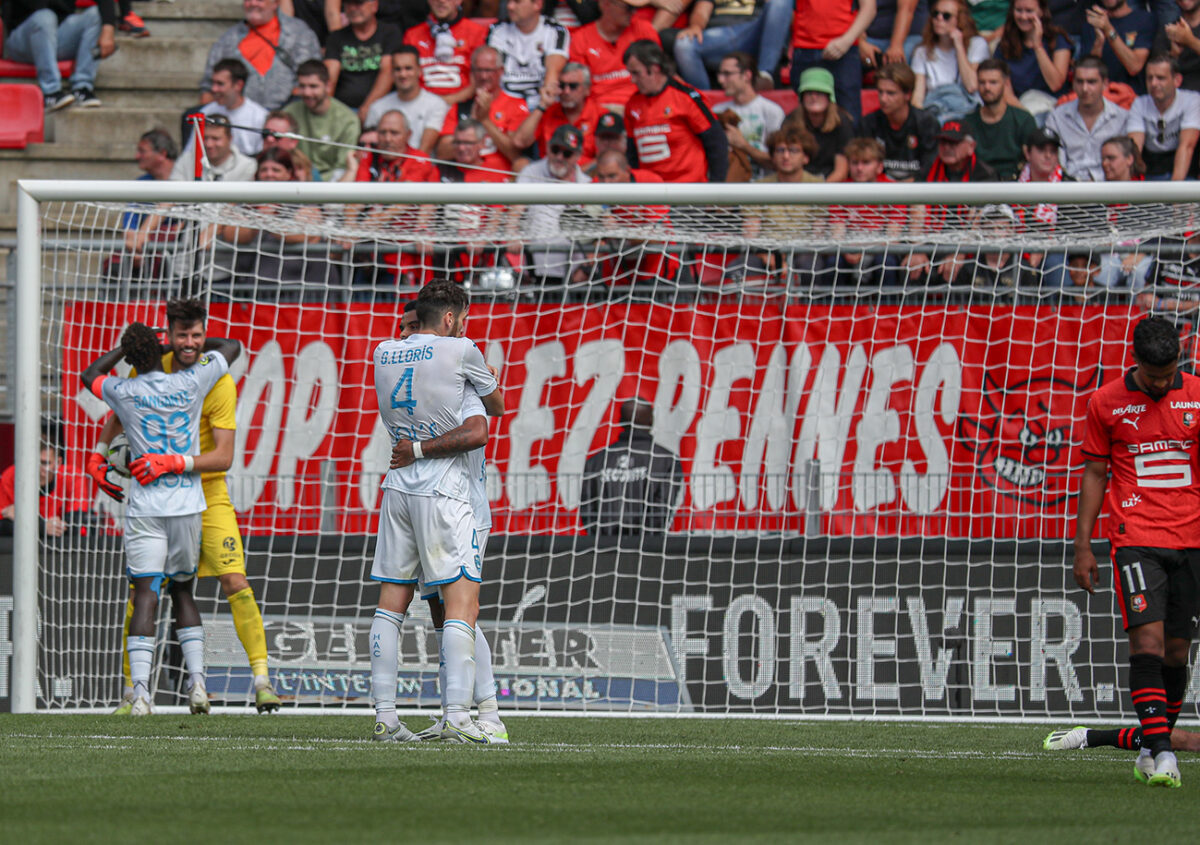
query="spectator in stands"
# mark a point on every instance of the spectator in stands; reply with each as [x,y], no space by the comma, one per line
[302,168]
[1121,36]
[1165,124]
[908,134]
[719,27]
[395,160]
[989,17]
[322,120]
[359,56]
[758,117]
[859,222]
[1038,55]
[574,106]
[1122,162]
[999,129]
[945,62]
[671,130]
[510,126]
[956,160]
[601,46]
[155,156]
[246,116]
[894,32]
[1087,121]
[533,50]
[612,168]
[64,495]
[425,111]
[792,147]
[480,230]
[550,262]
[321,16]
[277,124]
[1042,165]
[633,485]
[445,42]
[623,259]
[469,166]
[42,33]
[273,46]
[829,123]
[824,33]
[226,163]
[610,137]
[1182,40]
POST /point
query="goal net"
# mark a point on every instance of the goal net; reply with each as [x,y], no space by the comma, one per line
[855,423]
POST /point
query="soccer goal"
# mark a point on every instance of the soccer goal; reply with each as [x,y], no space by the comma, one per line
[859,411]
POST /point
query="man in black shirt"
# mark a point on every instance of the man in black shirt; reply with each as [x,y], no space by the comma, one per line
[908,134]
[632,485]
[359,56]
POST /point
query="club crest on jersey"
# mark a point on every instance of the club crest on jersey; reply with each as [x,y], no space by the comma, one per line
[667,111]
[912,142]
[1189,419]
[1023,438]
[1138,603]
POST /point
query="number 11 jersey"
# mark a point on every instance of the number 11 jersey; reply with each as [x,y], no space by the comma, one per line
[1151,450]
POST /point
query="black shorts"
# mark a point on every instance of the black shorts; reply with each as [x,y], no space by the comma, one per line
[1158,585]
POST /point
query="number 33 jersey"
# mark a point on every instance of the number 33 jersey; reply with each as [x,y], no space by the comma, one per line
[1151,450]
[161,415]
[420,383]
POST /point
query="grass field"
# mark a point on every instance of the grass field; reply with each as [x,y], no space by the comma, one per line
[178,779]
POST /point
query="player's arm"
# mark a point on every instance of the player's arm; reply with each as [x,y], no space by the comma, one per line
[1091,497]
[99,369]
[471,435]
[220,457]
[229,348]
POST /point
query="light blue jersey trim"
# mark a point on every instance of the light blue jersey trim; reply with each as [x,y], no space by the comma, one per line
[391,580]
[462,573]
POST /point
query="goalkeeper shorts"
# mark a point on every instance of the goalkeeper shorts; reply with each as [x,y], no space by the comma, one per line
[221,551]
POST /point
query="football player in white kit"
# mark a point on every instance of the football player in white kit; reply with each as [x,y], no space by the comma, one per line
[426,525]
[473,413]
[161,416]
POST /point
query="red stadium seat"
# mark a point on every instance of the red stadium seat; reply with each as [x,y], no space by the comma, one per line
[784,97]
[24,118]
[21,70]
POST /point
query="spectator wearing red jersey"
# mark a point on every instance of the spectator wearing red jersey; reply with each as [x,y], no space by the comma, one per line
[574,106]
[510,126]
[610,136]
[601,46]
[425,111]
[863,222]
[628,259]
[446,41]
[671,130]
[823,33]
[64,495]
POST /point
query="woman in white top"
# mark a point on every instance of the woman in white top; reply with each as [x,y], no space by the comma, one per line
[946,60]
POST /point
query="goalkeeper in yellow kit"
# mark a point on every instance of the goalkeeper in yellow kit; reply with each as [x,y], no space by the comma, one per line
[221,551]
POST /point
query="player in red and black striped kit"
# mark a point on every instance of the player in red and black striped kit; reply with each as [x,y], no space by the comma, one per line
[1144,427]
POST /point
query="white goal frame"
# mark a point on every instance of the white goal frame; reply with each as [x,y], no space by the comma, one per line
[28,304]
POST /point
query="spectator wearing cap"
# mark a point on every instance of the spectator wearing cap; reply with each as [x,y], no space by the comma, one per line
[610,136]
[956,159]
[540,223]
[359,56]
[1086,122]
[43,33]
[425,111]
[323,121]
[717,28]
[828,123]
[1165,123]
[824,33]
[273,46]
[999,129]
[908,134]
[226,163]
[894,32]
[1041,165]
[671,130]
[758,117]
[601,46]
[446,41]
[574,105]
[1120,36]
[246,116]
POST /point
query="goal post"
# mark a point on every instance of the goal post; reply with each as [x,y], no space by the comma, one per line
[870,480]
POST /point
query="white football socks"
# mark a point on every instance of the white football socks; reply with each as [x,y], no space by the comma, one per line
[437,633]
[485,681]
[385,660]
[191,641]
[458,648]
[141,660]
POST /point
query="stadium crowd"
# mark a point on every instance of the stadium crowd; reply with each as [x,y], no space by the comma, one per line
[690,91]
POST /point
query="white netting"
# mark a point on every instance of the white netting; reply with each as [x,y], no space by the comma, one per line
[866,420]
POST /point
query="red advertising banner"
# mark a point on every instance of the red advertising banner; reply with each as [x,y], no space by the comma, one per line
[935,421]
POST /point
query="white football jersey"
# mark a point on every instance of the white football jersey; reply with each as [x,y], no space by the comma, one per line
[524,56]
[161,415]
[477,466]
[421,383]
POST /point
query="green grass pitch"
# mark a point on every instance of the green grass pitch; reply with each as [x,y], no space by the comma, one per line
[179,779]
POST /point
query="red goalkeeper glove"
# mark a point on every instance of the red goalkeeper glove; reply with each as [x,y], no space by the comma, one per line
[149,467]
[97,468]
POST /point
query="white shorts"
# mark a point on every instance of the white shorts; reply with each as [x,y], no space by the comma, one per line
[158,546]
[426,538]
[481,537]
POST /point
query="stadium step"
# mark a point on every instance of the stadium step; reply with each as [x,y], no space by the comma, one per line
[107,126]
[150,55]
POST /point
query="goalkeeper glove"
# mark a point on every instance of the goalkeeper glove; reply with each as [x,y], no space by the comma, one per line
[149,467]
[97,468]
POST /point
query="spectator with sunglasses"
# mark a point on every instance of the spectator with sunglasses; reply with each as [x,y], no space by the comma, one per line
[1165,123]
[574,105]
[549,259]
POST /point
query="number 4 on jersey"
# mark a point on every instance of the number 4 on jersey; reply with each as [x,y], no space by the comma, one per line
[406,383]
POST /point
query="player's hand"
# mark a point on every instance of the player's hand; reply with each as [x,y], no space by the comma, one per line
[1087,573]
[97,468]
[149,467]
[402,455]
